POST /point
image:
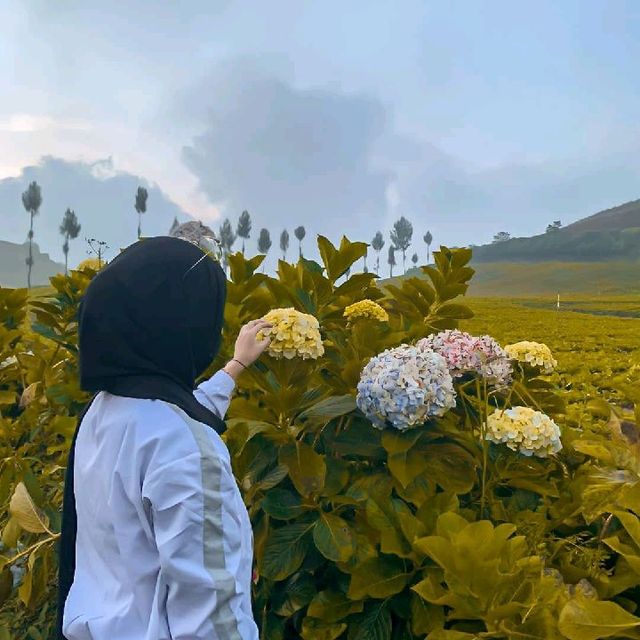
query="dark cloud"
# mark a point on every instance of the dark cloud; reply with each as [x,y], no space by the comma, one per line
[290,156]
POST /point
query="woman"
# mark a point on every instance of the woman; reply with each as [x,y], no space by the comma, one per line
[156,542]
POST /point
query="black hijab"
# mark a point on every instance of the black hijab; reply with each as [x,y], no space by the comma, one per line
[149,324]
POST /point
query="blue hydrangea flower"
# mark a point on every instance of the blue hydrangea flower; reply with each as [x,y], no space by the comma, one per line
[404,387]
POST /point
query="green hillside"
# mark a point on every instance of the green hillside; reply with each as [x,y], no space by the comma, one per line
[13,270]
[547,279]
[610,235]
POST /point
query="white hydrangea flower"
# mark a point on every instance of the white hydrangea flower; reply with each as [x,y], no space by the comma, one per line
[524,430]
[535,354]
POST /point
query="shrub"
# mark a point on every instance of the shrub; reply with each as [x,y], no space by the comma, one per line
[360,532]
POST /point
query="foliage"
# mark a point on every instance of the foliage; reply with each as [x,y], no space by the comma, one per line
[359,533]
[31,200]
[401,235]
[284,243]
[69,228]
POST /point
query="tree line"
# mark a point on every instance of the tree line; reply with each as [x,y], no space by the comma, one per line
[400,236]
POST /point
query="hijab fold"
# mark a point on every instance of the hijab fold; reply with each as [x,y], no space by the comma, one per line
[150,323]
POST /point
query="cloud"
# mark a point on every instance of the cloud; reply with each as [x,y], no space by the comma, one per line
[290,156]
[101,196]
[29,123]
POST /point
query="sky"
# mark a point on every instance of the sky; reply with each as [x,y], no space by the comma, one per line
[467,117]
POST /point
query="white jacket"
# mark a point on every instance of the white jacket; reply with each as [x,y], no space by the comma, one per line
[164,544]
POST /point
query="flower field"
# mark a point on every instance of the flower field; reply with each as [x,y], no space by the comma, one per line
[411,470]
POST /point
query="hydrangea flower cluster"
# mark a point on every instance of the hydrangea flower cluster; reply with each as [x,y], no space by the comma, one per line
[465,353]
[524,430]
[404,386]
[365,310]
[535,354]
[293,334]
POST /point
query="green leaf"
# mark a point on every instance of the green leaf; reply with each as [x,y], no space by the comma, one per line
[284,550]
[373,624]
[425,617]
[328,408]
[454,311]
[379,577]
[332,606]
[451,466]
[313,629]
[307,468]
[6,585]
[585,619]
[298,592]
[447,634]
[283,504]
[333,537]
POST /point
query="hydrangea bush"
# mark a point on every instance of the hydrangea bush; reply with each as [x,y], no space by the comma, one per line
[383,506]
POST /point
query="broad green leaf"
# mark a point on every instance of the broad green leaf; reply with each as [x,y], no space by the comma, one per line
[455,311]
[333,537]
[307,468]
[448,634]
[314,629]
[8,397]
[328,408]
[298,592]
[283,504]
[379,577]
[332,606]
[374,623]
[451,466]
[284,550]
[425,617]
[28,516]
[585,619]
[6,584]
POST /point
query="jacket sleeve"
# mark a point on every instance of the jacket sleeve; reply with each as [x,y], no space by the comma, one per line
[196,530]
[215,393]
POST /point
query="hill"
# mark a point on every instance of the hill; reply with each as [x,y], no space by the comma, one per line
[547,279]
[613,234]
[13,270]
[625,216]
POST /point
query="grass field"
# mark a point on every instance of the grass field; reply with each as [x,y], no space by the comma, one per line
[506,279]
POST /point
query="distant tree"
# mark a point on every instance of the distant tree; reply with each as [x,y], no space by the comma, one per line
[70,228]
[391,260]
[31,200]
[501,236]
[284,243]
[141,207]
[244,227]
[364,261]
[401,237]
[428,239]
[554,226]
[300,232]
[264,243]
[227,238]
[414,259]
[174,225]
[377,243]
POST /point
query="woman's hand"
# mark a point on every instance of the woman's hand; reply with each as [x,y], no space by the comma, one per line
[248,348]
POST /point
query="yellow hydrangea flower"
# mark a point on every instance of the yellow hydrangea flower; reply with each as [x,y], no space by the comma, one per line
[365,310]
[293,334]
[535,354]
[524,430]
